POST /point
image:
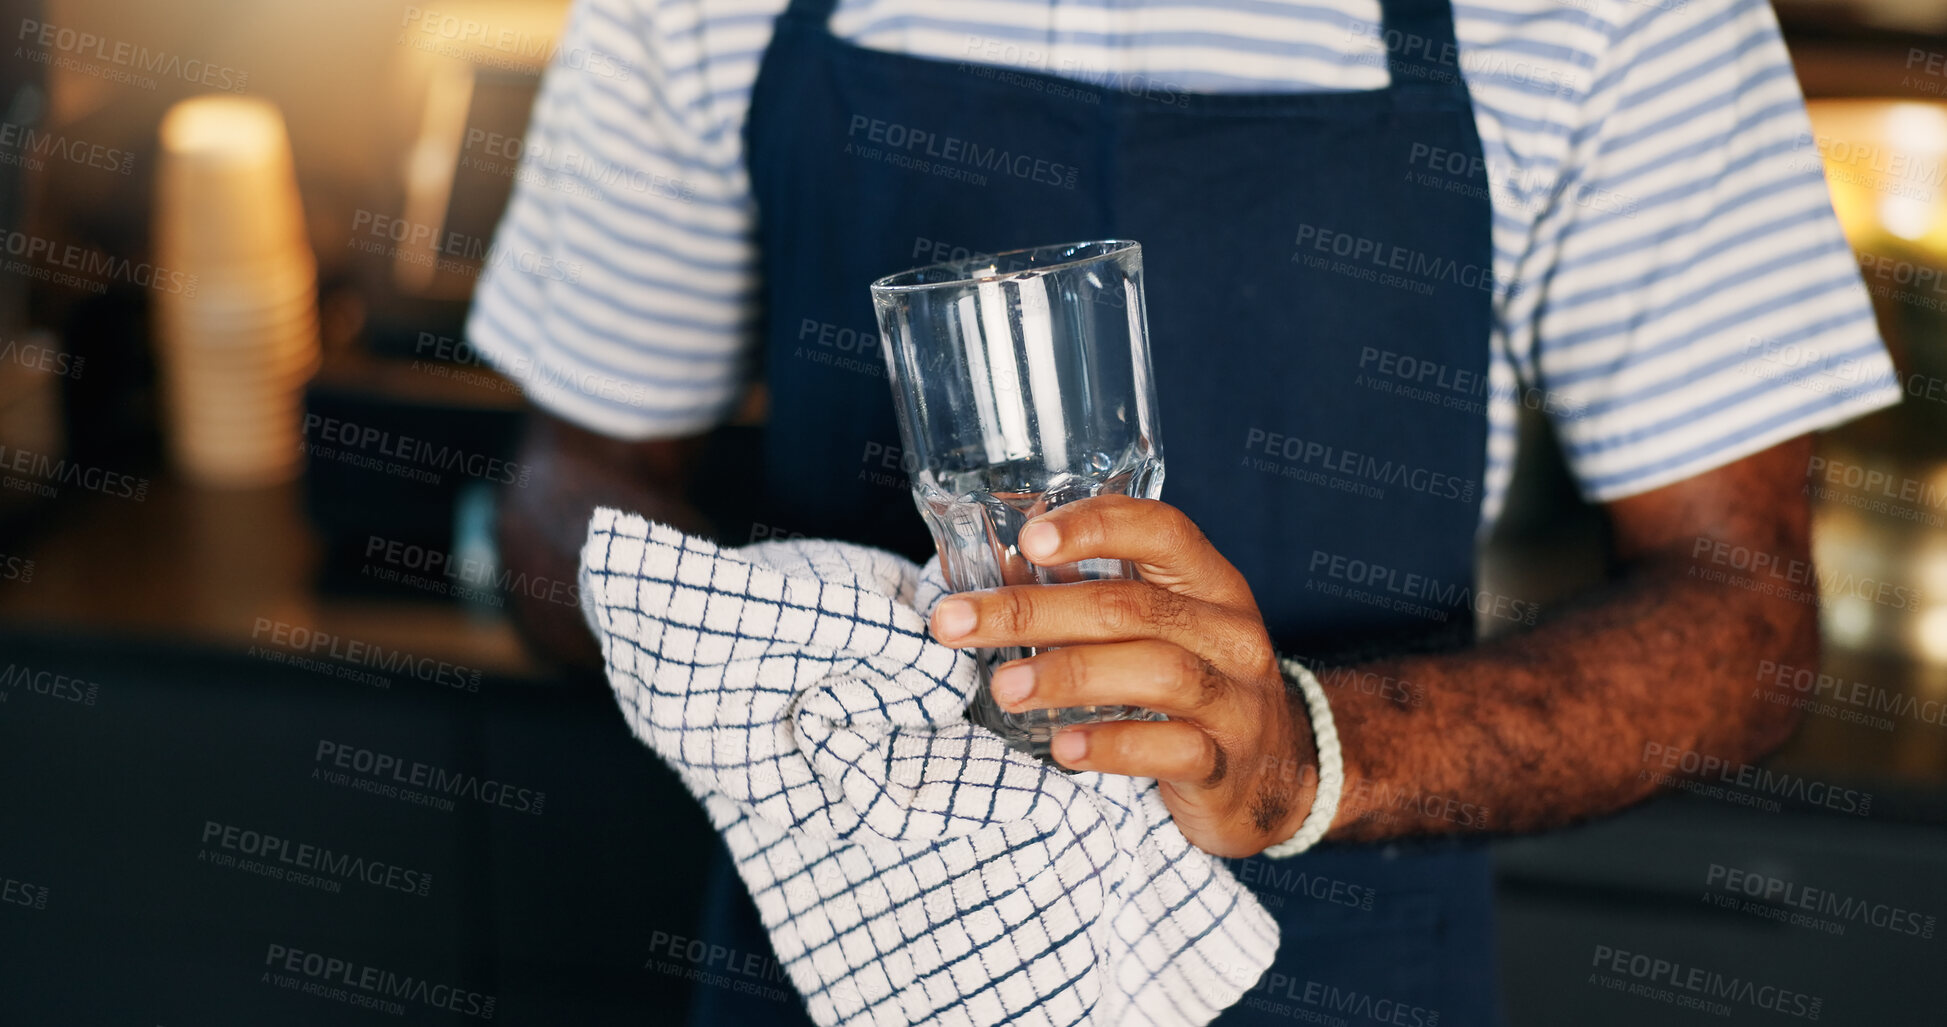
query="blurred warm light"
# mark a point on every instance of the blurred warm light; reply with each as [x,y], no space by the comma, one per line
[1884,165]
[224,128]
[1928,630]
[429,171]
[1848,622]
[1930,635]
[1906,216]
[1855,552]
[235,349]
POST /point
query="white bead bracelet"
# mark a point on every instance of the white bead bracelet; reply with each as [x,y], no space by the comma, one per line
[1331,765]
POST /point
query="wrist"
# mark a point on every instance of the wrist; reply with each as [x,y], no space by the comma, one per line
[1319,766]
[1300,767]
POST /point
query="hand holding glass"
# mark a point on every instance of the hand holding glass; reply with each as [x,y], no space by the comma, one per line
[1022,382]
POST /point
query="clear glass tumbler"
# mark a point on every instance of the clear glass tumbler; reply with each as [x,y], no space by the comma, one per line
[1022,382]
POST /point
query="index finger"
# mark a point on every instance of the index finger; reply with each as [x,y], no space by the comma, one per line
[1167,548]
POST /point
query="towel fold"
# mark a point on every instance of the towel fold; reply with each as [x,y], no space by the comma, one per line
[909,867]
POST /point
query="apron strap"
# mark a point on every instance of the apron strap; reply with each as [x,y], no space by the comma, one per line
[1421,52]
[817,12]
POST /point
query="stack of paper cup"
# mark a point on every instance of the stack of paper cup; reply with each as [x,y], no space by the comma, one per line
[240,338]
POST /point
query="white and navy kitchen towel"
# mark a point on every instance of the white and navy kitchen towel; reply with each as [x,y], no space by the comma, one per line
[909,866]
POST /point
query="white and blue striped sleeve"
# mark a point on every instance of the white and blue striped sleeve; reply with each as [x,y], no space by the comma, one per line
[622,288]
[1701,303]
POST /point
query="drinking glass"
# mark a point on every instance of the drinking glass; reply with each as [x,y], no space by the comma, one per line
[1022,382]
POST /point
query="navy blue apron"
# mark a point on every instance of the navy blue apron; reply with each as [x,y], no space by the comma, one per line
[1307,259]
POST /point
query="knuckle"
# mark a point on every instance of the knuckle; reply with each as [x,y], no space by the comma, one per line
[1169,610]
[1217,759]
[1012,610]
[1091,524]
[1126,608]
[1200,683]
[1243,646]
[1255,651]
[1064,671]
[1183,532]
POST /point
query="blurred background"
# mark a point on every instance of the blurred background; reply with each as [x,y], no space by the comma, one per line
[219,620]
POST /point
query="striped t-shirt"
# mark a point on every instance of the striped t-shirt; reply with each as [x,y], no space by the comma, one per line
[1671,284]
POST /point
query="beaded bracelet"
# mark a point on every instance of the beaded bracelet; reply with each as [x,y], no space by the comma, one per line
[1331,765]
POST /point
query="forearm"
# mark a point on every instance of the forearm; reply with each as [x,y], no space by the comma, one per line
[1542,728]
[543,522]
[1528,731]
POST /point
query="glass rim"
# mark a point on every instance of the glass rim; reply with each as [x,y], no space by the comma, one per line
[892,283]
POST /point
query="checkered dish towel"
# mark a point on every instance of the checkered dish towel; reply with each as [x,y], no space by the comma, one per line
[909,866]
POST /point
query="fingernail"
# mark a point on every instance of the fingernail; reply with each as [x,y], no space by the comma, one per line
[1039,539]
[954,618]
[1069,747]
[1012,683]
